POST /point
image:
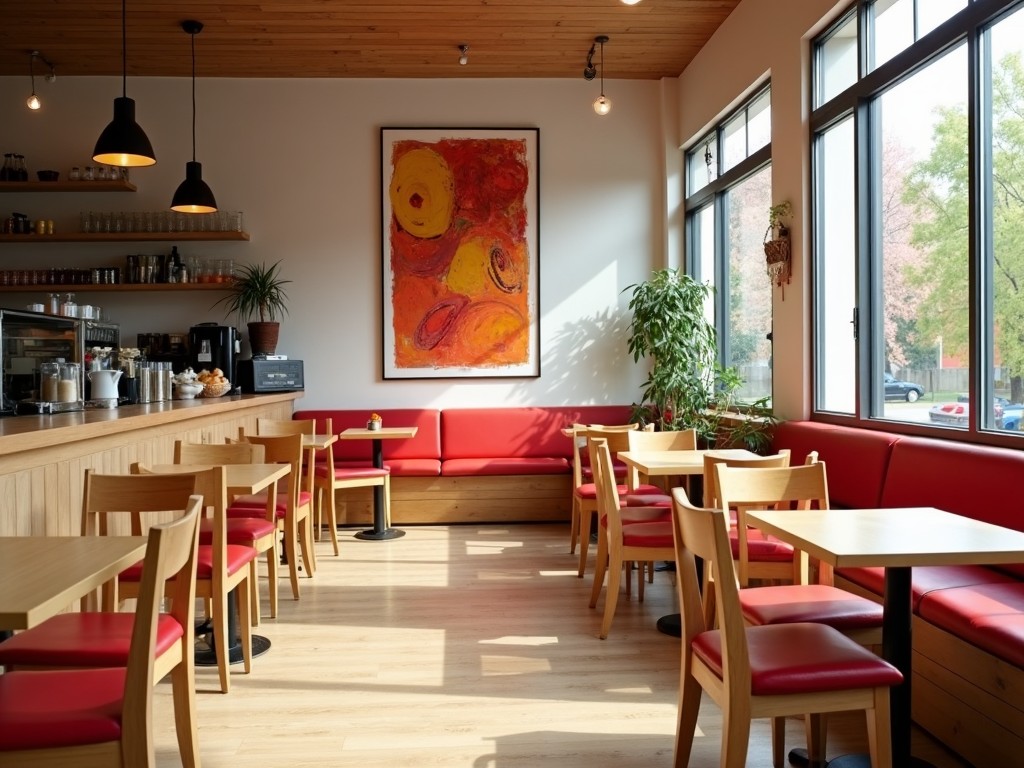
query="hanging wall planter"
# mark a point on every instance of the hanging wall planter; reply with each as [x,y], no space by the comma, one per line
[777,246]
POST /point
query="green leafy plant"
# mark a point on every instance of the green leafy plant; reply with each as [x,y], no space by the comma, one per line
[777,213]
[257,291]
[686,387]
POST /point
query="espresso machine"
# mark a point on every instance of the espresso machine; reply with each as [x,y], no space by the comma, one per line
[214,346]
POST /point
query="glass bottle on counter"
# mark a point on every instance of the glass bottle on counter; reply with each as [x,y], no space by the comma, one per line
[69,386]
[49,375]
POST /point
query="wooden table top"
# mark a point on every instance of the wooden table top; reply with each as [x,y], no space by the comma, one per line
[42,575]
[241,478]
[892,537]
[384,433]
[677,462]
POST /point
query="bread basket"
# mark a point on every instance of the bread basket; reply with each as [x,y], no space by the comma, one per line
[215,388]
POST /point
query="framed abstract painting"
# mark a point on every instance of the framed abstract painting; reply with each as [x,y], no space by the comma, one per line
[460,252]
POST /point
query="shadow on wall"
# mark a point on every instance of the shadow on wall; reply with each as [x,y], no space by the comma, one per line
[585,362]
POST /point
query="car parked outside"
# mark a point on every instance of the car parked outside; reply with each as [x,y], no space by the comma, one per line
[1007,415]
[902,390]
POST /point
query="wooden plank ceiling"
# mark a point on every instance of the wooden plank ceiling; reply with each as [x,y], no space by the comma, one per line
[368,38]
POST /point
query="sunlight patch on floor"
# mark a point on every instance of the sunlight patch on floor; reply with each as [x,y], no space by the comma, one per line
[521,640]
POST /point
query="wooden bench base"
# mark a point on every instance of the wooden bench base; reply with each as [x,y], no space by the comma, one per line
[478,499]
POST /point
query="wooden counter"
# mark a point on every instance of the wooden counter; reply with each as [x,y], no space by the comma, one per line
[43,458]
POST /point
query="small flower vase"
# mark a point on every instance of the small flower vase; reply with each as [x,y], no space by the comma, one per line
[373,424]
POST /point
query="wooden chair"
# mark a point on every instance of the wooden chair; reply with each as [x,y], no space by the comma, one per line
[259,533]
[742,489]
[763,671]
[328,478]
[646,536]
[584,498]
[292,509]
[221,567]
[104,716]
[671,440]
[310,465]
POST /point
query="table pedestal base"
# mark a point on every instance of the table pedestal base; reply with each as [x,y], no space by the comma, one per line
[671,624]
[387,533]
[798,757]
[207,657]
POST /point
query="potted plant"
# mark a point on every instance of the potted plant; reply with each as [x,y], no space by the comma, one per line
[257,292]
[686,387]
[776,243]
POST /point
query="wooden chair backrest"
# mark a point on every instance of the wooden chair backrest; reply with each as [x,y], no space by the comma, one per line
[607,491]
[107,495]
[743,489]
[212,485]
[780,459]
[700,532]
[285,449]
[218,453]
[169,568]
[672,440]
[265,426]
[580,433]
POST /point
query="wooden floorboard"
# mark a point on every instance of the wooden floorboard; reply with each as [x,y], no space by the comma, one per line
[462,647]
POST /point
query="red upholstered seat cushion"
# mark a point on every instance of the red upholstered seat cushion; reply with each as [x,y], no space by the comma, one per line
[239,530]
[236,556]
[589,491]
[990,616]
[58,708]
[927,578]
[413,467]
[794,603]
[633,515]
[801,658]
[350,473]
[83,640]
[761,548]
[648,535]
[646,500]
[531,465]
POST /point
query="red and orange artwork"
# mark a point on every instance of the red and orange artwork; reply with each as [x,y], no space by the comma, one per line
[459,255]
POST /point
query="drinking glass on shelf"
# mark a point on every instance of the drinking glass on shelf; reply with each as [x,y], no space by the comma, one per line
[236,221]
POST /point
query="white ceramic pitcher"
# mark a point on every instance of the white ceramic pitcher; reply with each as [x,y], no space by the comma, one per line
[104,384]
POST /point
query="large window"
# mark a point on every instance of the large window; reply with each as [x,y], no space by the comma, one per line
[728,197]
[918,137]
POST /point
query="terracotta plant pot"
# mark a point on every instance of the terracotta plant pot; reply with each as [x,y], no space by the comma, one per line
[263,337]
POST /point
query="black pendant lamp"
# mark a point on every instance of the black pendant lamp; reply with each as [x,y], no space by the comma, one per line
[193,194]
[123,142]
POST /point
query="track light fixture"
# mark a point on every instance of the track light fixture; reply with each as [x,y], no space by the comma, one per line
[603,105]
[33,102]
[193,195]
[463,54]
[123,142]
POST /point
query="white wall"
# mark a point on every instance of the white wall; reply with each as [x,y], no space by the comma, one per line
[773,38]
[301,159]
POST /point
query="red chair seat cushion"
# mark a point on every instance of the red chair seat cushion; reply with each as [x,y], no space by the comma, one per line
[589,491]
[635,515]
[351,473]
[657,535]
[794,603]
[259,501]
[83,640]
[239,530]
[646,500]
[60,708]
[761,547]
[801,658]
[236,556]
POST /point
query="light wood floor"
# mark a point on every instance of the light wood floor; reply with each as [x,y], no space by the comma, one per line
[468,647]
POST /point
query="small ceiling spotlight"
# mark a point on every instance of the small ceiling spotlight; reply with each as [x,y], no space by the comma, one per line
[463,54]
[33,102]
[589,71]
[630,2]
[603,105]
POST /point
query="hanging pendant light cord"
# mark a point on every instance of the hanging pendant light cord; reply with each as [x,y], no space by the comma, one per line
[193,97]
[124,49]
[32,71]
[602,69]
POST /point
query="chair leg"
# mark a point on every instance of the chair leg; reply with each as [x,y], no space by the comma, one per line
[308,551]
[879,732]
[291,553]
[816,729]
[574,524]
[689,706]
[600,568]
[272,560]
[254,593]
[779,742]
[244,623]
[327,494]
[586,518]
[219,617]
[735,739]
[183,693]
[611,593]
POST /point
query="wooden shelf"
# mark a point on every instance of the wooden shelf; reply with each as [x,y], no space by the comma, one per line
[67,186]
[115,288]
[125,237]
